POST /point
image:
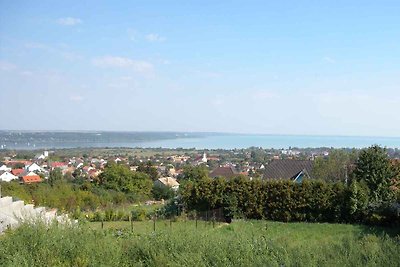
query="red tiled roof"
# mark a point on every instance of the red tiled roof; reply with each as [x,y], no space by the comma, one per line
[31,179]
[58,164]
[17,172]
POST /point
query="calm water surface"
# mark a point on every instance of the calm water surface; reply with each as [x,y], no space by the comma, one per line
[230,142]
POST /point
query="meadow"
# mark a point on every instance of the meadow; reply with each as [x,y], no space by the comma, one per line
[182,243]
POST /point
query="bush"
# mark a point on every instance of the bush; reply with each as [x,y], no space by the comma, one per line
[312,201]
[139,214]
[162,192]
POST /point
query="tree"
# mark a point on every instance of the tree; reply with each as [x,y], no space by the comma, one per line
[55,175]
[194,173]
[149,169]
[121,178]
[334,167]
[373,166]
[19,165]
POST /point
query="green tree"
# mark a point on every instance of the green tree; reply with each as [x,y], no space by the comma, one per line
[373,166]
[54,176]
[334,167]
[19,165]
[194,173]
[149,169]
[121,178]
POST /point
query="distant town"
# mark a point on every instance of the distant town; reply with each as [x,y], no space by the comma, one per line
[292,163]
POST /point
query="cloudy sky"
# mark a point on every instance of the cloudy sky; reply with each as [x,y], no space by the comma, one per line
[299,67]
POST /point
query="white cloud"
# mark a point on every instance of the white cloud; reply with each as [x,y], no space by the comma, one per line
[69,21]
[123,62]
[6,66]
[154,37]
[76,98]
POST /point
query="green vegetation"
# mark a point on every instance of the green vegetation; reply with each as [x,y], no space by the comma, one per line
[251,243]
[374,168]
[335,167]
[120,178]
[117,186]
[370,198]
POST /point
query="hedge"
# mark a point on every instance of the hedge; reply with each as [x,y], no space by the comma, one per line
[310,201]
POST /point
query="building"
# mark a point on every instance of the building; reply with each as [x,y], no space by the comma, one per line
[7,177]
[289,169]
[224,171]
[34,168]
[29,179]
[5,168]
[17,172]
[167,182]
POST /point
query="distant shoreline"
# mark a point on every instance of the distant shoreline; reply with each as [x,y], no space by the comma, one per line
[18,140]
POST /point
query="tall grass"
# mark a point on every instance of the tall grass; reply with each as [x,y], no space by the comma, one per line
[252,243]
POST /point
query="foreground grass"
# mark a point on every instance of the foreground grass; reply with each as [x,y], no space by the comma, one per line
[251,243]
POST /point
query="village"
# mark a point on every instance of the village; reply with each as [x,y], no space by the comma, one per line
[282,164]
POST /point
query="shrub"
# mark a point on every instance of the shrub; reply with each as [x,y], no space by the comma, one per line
[162,192]
[312,201]
[138,214]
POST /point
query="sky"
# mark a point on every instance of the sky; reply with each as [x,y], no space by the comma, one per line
[268,67]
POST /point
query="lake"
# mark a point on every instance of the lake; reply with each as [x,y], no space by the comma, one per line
[189,140]
[274,141]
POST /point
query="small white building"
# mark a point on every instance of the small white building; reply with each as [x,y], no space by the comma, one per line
[5,168]
[34,168]
[7,177]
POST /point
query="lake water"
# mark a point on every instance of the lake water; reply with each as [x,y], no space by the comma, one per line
[274,141]
[221,141]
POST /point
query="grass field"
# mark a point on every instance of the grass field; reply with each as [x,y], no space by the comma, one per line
[242,243]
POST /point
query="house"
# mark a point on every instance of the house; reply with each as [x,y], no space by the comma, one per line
[93,173]
[61,165]
[224,171]
[29,179]
[7,177]
[201,159]
[34,168]
[15,162]
[17,172]
[67,170]
[288,169]
[179,159]
[42,156]
[167,182]
[5,168]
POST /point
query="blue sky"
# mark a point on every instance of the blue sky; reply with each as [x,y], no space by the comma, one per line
[284,67]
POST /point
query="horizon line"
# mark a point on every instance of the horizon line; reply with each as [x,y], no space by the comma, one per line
[194,132]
